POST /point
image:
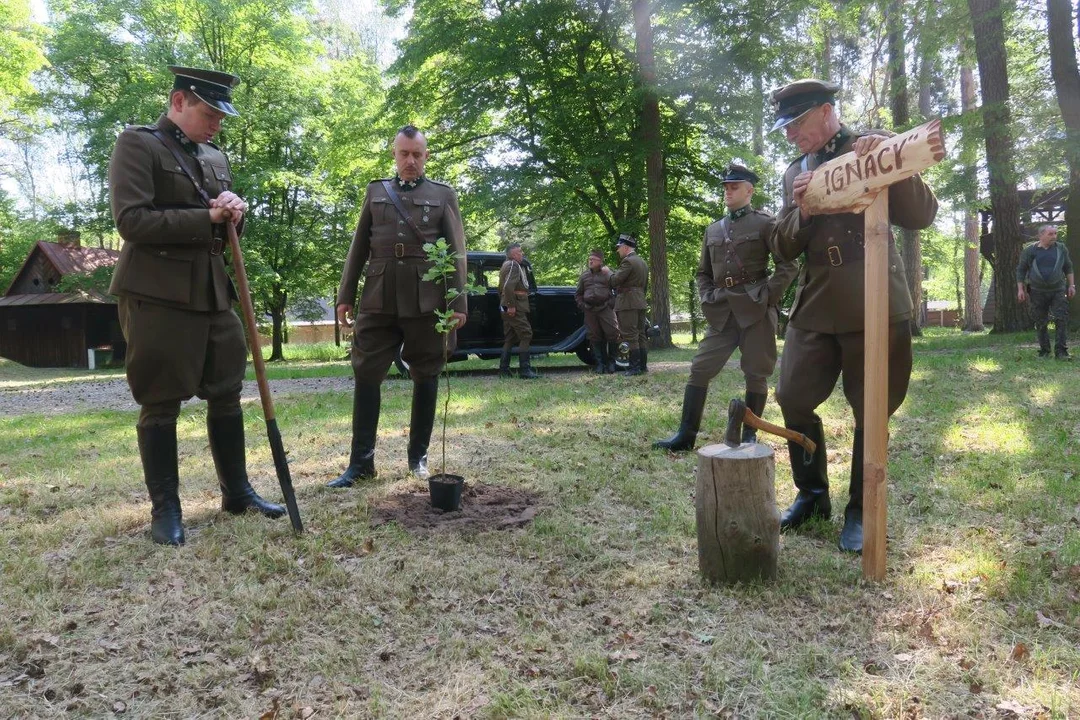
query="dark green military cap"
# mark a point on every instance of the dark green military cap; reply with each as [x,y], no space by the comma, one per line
[627,240]
[737,173]
[800,97]
[211,86]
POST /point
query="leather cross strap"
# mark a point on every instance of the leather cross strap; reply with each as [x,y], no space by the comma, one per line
[218,246]
[403,212]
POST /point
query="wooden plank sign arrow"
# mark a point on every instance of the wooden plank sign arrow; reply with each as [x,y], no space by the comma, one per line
[850,184]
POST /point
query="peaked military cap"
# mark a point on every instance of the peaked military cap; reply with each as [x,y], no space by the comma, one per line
[212,87]
[800,97]
[737,173]
[627,240]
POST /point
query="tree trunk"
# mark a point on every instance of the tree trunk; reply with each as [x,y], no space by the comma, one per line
[973,316]
[277,318]
[660,306]
[910,244]
[1063,68]
[988,24]
[759,115]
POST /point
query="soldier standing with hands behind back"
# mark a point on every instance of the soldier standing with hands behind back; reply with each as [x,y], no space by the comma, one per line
[825,338]
[596,300]
[397,307]
[739,298]
[514,306]
[629,282]
[170,190]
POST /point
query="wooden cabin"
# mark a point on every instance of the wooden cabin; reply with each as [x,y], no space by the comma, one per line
[41,327]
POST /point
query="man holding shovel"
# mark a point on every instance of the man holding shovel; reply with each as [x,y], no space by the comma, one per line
[170,192]
[824,337]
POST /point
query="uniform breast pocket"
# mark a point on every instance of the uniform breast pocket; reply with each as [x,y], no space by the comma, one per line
[222,176]
[427,212]
[381,209]
[717,249]
[174,182]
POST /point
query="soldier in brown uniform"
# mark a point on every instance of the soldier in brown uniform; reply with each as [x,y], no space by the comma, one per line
[739,298]
[629,282]
[397,307]
[824,338]
[514,305]
[170,192]
[596,300]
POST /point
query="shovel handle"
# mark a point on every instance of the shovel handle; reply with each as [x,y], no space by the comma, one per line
[757,423]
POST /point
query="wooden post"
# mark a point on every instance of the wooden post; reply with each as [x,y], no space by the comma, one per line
[738,523]
[850,184]
[876,386]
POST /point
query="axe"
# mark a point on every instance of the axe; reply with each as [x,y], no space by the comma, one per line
[738,415]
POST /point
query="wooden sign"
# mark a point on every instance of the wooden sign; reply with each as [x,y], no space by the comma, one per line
[848,184]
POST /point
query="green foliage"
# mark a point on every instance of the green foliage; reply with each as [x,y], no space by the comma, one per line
[17,236]
[20,46]
[96,280]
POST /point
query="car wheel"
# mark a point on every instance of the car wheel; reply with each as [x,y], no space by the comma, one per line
[401,365]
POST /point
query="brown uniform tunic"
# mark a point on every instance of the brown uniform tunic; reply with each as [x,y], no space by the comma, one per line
[630,281]
[594,298]
[175,295]
[739,298]
[825,333]
[397,308]
[514,293]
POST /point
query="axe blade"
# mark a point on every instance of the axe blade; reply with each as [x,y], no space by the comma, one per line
[735,414]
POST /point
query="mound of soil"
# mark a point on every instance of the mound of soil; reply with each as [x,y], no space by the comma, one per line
[483,507]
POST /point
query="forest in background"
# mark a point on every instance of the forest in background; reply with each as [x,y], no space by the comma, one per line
[560,122]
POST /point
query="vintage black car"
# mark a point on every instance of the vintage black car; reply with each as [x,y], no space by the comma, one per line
[558,325]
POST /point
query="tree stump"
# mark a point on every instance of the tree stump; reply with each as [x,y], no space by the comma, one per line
[738,523]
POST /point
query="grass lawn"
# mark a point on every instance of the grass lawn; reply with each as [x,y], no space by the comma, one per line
[595,608]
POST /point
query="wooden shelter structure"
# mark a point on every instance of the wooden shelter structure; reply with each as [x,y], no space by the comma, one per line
[41,327]
[1042,206]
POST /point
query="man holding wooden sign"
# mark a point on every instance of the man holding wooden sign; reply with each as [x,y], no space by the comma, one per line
[825,335]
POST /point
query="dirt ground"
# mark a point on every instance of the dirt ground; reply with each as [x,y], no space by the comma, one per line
[483,507]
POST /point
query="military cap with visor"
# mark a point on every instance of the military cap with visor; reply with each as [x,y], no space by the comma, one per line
[796,99]
[627,240]
[211,86]
[734,173]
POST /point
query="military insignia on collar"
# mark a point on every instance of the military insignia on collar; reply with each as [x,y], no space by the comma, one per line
[836,141]
[736,214]
[408,184]
[185,141]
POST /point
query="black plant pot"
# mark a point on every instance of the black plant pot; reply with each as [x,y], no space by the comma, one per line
[446,491]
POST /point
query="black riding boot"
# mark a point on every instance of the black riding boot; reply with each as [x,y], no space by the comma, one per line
[600,356]
[227,448]
[852,534]
[157,449]
[504,363]
[365,424]
[811,478]
[525,371]
[693,407]
[424,395]
[644,354]
[612,355]
[755,402]
[635,363]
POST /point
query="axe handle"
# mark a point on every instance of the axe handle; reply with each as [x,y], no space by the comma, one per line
[749,418]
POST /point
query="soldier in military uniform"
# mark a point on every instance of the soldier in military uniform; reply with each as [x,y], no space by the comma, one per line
[739,298]
[514,306]
[824,337]
[629,282]
[397,307]
[1045,274]
[596,300]
[169,188]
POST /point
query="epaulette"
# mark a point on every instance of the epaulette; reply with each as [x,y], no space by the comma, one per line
[380,181]
[439,182]
[142,128]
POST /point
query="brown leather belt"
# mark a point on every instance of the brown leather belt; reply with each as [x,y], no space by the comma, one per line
[521,293]
[397,250]
[731,281]
[841,253]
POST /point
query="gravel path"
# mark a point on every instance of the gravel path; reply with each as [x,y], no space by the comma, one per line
[113,394]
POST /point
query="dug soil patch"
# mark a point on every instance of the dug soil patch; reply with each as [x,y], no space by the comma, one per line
[483,507]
